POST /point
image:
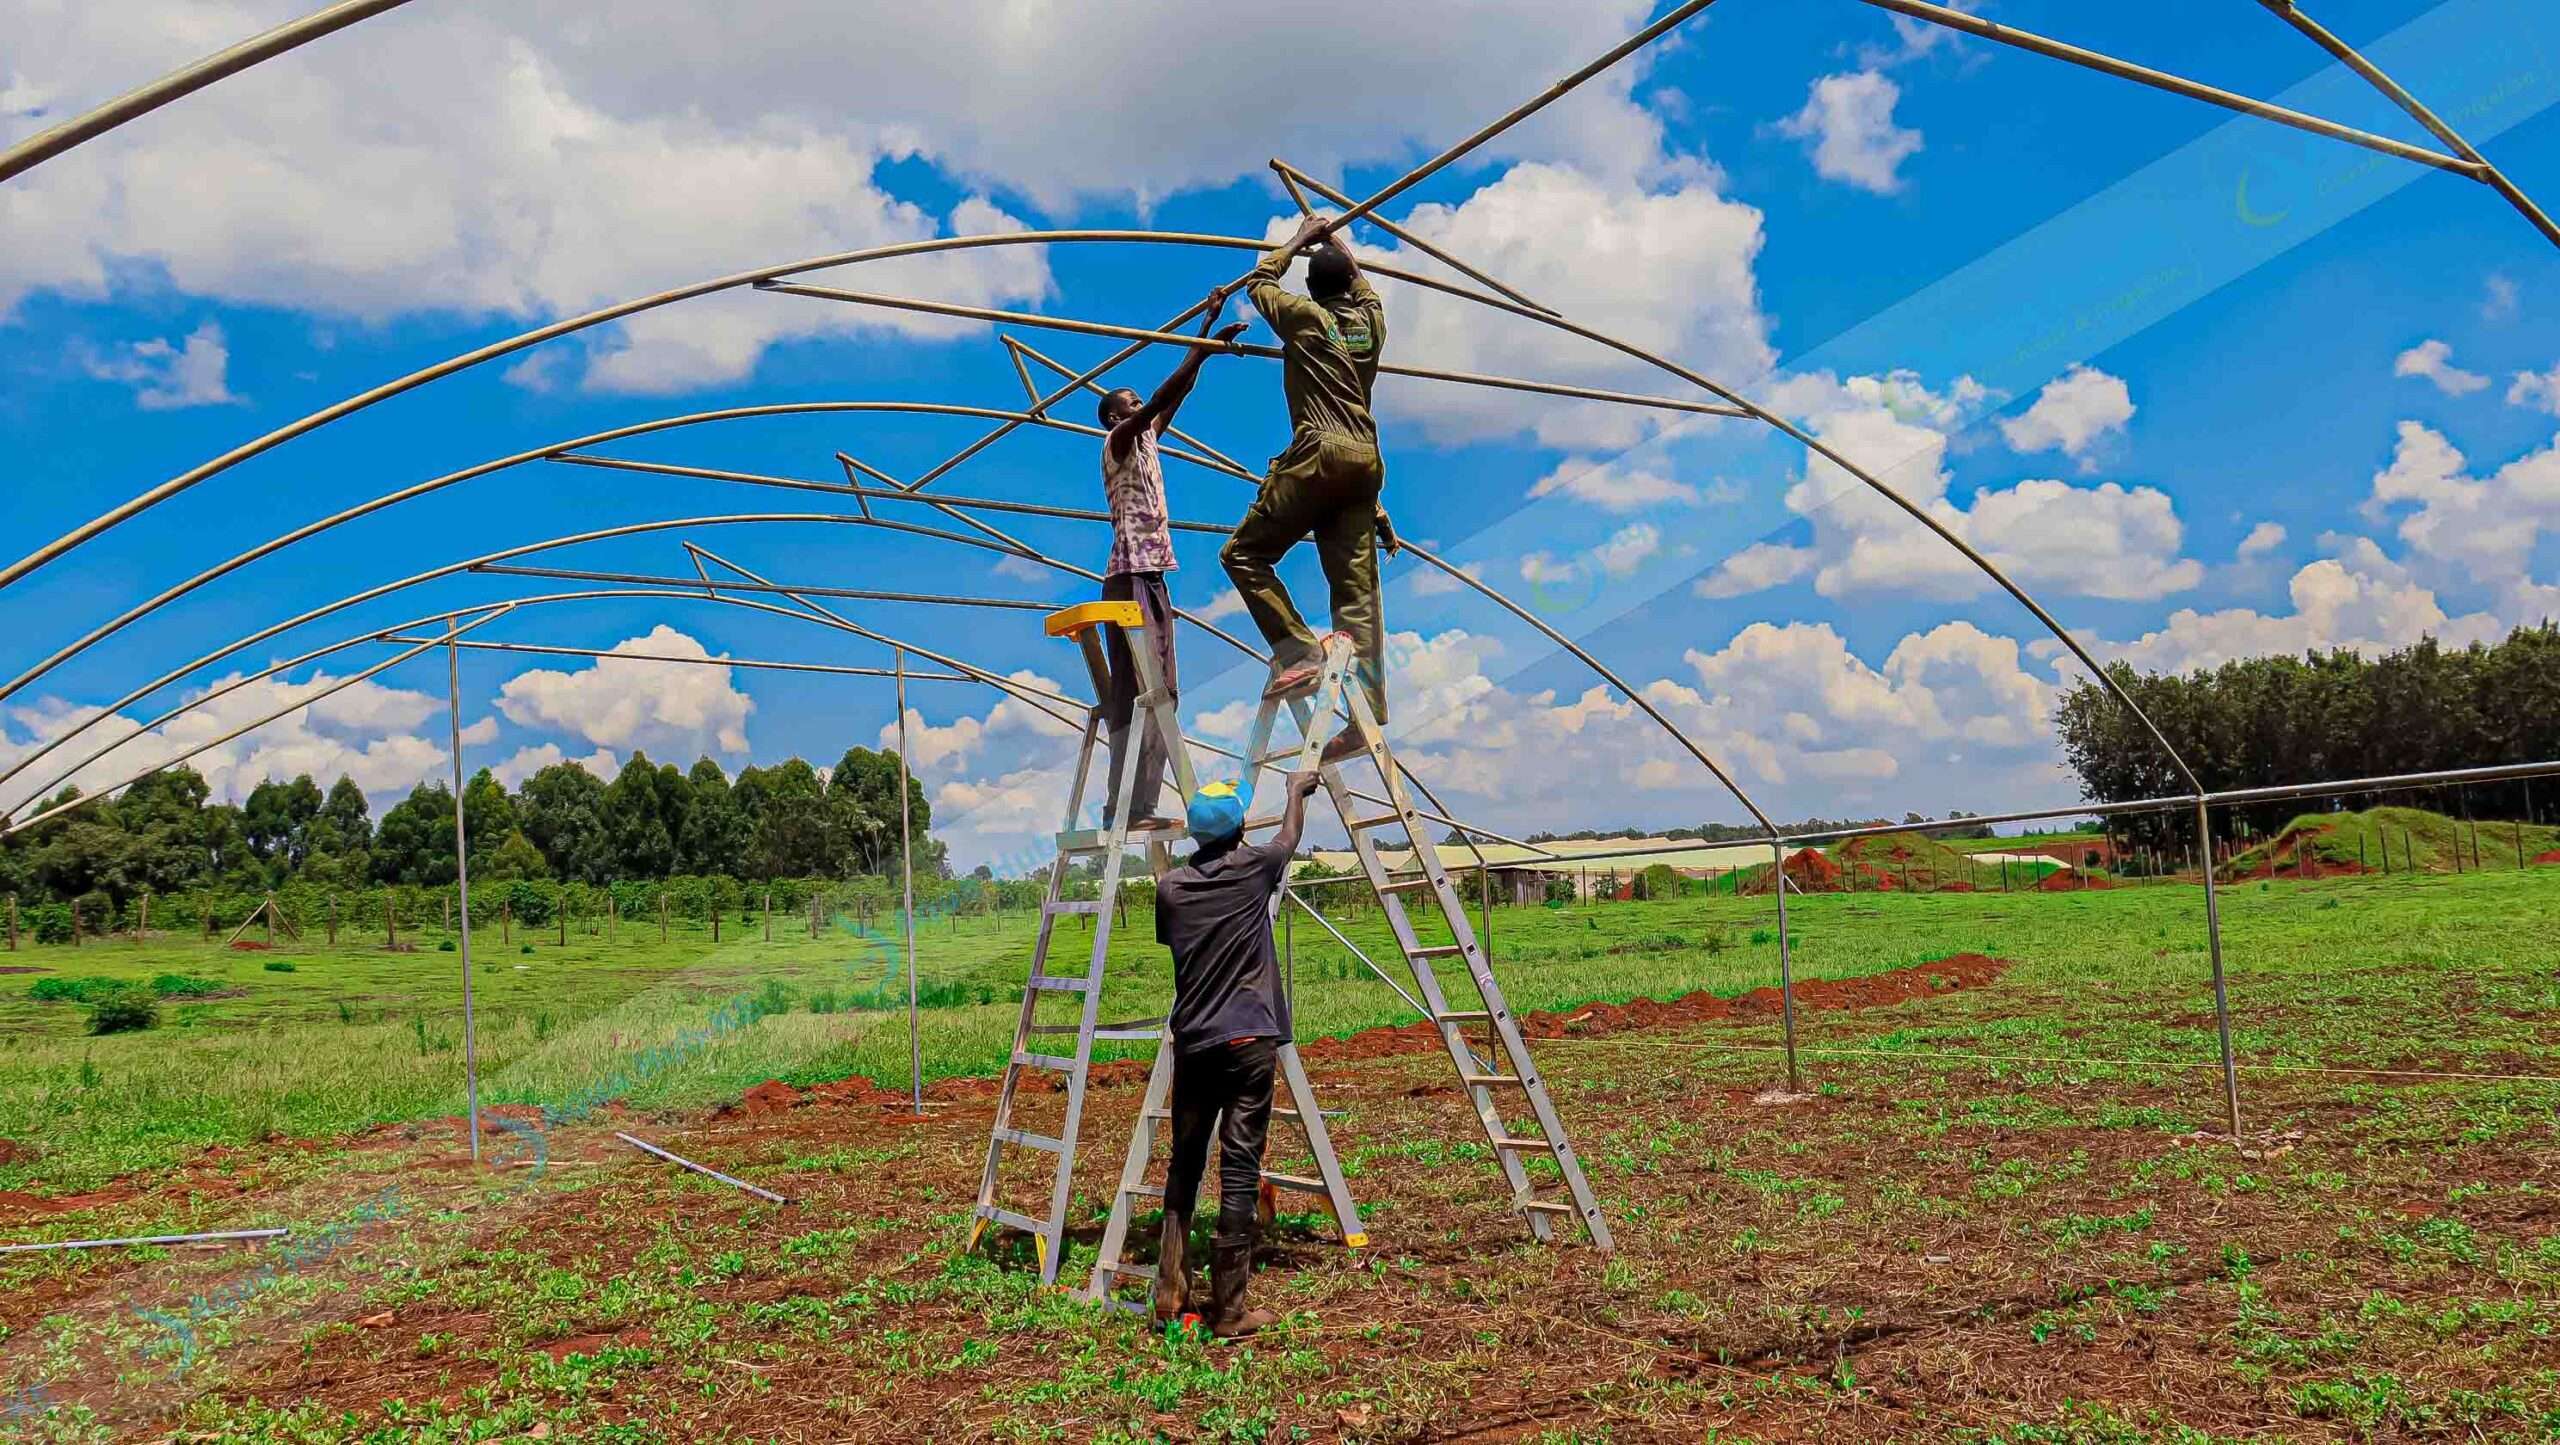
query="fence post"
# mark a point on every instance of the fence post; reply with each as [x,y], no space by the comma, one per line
[506,921]
[768,915]
[142,924]
[390,918]
[75,923]
[2519,844]
[1786,965]
[13,923]
[333,920]
[444,912]
[662,915]
[2221,989]
[564,918]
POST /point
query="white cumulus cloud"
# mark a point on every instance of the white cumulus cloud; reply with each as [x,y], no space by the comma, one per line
[1847,124]
[2432,361]
[1613,486]
[166,375]
[2073,414]
[674,710]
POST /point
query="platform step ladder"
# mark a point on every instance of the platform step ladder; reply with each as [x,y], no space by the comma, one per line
[1113,1271]
[1035,1048]
[1504,1078]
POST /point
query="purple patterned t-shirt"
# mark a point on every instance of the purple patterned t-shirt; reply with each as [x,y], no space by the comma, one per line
[1141,541]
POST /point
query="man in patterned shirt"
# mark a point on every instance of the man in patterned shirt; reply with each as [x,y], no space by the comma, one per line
[1141,553]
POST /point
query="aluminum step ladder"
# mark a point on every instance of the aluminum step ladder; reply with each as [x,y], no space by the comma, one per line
[1505,1069]
[1154,712]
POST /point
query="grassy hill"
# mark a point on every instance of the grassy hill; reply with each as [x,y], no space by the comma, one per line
[2435,843]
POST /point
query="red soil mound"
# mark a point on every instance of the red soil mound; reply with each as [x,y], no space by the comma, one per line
[1965,970]
[248,945]
[2551,857]
[1900,985]
[2072,882]
[1809,869]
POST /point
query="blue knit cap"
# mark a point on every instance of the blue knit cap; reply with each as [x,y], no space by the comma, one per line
[1216,813]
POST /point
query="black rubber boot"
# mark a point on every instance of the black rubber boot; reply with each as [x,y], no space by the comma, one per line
[1173,1269]
[1230,1270]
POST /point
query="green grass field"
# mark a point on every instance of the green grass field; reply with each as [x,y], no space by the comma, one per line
[354,1036]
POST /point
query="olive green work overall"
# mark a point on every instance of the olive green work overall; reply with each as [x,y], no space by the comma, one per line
[1326,484]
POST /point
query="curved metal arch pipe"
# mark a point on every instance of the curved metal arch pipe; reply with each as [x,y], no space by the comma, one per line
[186,80]
[1080,514]
[493,613]
[391,499]
[764,274]
[2374,75]
[381,634]
[1874,483]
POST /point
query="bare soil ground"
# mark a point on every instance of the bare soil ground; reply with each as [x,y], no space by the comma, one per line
[1912,1253]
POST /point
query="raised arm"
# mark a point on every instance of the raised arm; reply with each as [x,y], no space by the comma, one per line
[1272,299]
[1293,820]
[1159,408]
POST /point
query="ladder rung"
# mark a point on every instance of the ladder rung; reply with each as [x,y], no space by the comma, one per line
[1133,1271]
[1256,825]
[1406,885]
[1076,906]
[1380,821]
[1130,1306]
[1159,1113]
[1542,1206]
[1029,1140]
[1483,1081]
[1298,1182]
[1026,1060]
[1282,1111]
[1144,1191]
[1466,1016]
[1525,1146]
[1440,950]
[1058,983]
[1136,1034]
[1011,1220]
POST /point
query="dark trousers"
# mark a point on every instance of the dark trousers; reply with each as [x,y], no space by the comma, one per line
[1119,702]
[1223,1089]
[1326,486]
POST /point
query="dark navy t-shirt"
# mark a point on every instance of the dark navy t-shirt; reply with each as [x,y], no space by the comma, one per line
[1216,917]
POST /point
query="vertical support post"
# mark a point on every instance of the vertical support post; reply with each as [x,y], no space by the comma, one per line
[333,920]
[142,925]
[13,923]
[768,915]
[1786,966]
[564,916]
[907,868]
[390,919]
[75,923]
[506,921]
[662,915]
[2221,991]
[462,882]
[612,914]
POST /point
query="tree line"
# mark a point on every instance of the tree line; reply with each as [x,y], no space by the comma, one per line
[2265,721]
[165,835]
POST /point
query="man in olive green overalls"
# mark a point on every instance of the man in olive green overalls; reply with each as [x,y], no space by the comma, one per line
[1327,481]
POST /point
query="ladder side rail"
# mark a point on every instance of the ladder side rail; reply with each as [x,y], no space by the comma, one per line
[1107,1267]
[1302,1097]
[1461,1056]
[1022,1029]
[1064,1187]
[1506,1026]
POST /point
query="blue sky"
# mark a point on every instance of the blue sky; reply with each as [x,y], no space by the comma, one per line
[2208,386]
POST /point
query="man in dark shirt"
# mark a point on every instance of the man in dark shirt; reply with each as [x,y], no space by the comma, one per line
[1328,480]
[1229,1019]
